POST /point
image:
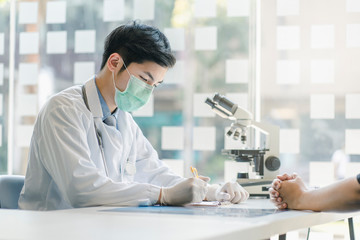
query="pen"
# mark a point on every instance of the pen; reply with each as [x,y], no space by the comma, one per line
[194,172]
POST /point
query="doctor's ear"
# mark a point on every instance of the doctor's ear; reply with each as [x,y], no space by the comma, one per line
[114,62]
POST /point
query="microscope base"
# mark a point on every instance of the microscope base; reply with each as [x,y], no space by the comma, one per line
[256,187]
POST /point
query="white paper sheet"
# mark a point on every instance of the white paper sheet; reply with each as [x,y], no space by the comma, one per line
[206,38]
[288,72]
[85,41]
[201,109]
[147,110]
[238,8]
[353,5]
[144,9]
[352,137]
[322,36]
[287,7]
[1,73]
[56,12]
[27,105]
[176,165]
[322,71]
[240,99]
[204,138]
[237,71]
[28,73]
[83,71]
[56,42]
[176,37]
[290,141]
[172,138]
[288,37]
[29,43]
[205,8]
[2,43]
[28,12]
[23,135]
[353,35]
[322,106]
[176,74]
[352,109]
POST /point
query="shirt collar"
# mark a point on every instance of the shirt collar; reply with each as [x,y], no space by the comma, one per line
[104,107]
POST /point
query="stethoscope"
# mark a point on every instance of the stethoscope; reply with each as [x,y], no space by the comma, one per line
[98,134]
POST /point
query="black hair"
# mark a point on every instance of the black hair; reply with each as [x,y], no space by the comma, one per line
[137,42]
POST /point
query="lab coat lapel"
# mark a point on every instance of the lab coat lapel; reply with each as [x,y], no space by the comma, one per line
[94,102]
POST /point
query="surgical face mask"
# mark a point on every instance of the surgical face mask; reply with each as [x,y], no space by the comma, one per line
[136,94]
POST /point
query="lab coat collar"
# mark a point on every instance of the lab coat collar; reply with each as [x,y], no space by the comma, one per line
[93,98]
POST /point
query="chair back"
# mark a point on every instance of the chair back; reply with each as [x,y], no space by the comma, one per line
[10,188]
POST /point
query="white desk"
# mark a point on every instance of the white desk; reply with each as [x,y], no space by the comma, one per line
[92,223]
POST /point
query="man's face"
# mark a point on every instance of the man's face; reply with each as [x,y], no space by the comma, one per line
[149,72]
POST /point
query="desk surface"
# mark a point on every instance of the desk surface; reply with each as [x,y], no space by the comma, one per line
[107,223]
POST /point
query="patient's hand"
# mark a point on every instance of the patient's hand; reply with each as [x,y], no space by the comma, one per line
[275,196]
[292,192]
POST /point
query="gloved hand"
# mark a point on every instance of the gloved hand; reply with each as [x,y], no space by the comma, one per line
[187,191]
[230,191]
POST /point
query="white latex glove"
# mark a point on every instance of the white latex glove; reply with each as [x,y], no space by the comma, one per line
[187,191]
[230,191]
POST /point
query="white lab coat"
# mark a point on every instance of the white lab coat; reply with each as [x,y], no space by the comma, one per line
[65,167]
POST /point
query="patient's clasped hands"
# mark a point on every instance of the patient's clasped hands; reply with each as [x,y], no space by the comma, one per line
[288,191]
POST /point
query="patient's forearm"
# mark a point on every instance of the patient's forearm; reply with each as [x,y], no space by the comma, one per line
[343,195]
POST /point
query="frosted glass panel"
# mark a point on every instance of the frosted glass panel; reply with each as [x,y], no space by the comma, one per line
[175,75]
[288,72]
[352,137]
[2,44]
[56,42]
[322,71]
[84,41]
[113,10]
[352,108]
[176,37]
[288,37]
[206,38]
[322,36]
[28,73]
[237,71]
[287,7]
[144,9]
[28,12]
[172,138]
[83,71]
[353,5]
[23,135]
[205,8]
[240,99]
[204,138]
[27,105]
[353,35]
[238,8]
[29,43]
[322,106]
[56,12]
[176,165]
[1,74]
[289,141]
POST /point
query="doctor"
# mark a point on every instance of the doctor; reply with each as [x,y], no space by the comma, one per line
[86,149]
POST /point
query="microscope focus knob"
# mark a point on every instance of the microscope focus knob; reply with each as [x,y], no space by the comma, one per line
[272,163]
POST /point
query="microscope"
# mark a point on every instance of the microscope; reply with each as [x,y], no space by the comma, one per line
[262,162]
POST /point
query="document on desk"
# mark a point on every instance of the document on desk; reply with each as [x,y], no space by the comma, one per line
[207,204]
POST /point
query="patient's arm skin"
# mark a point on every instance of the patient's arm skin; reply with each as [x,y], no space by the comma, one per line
[291,192]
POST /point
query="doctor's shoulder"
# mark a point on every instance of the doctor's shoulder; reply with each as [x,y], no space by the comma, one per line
[68,101]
